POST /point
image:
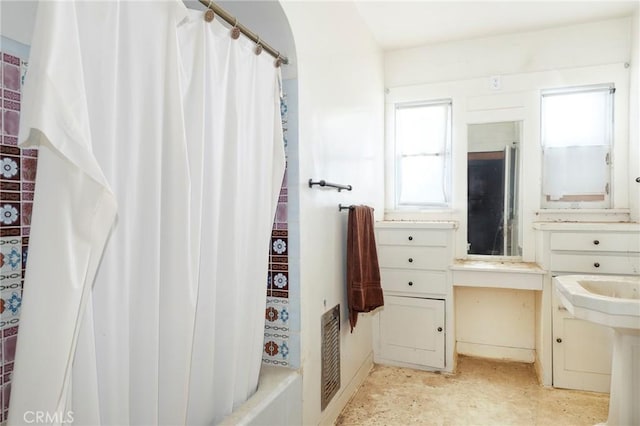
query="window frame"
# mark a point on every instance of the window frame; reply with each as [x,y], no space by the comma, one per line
[581,201]
[446,153]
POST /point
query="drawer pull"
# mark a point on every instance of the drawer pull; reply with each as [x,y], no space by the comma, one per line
[596,242]
[597,265]
[559,340]
[411,260]
[410,238]
[440,329]
[410,283]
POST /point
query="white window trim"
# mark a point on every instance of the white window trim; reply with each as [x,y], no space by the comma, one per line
[447,163]
[607,202]
[421,93]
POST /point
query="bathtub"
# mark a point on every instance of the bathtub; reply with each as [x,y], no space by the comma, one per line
[278,400]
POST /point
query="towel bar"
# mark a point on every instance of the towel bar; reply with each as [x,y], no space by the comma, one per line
[329,184]
[341,207]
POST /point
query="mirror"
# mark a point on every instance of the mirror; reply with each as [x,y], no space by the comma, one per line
[493,166]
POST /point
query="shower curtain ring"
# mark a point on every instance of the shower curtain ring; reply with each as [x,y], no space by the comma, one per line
[235,31]
[209,14]
[278,61]
[258,49]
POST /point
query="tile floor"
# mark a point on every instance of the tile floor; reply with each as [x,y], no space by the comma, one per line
[482,392]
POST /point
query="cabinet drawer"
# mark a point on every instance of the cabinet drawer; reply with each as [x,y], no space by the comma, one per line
[595,241]
[596,263]
[412,257]
[411,281]
[413,237]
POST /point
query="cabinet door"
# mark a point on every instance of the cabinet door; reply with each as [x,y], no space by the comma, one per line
[581,352]
[412,331]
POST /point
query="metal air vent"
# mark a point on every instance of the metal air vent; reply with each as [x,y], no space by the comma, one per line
[330,355]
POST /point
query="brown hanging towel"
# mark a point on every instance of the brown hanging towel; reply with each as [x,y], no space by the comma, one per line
[364,292]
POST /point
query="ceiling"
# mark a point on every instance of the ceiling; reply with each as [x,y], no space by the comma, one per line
[400,24]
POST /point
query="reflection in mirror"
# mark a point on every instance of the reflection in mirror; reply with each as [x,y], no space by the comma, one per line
[493,166]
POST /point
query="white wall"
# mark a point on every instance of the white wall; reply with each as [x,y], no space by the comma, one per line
[556,48]
[526,63]
[16,27]
[17,19]
[340,82]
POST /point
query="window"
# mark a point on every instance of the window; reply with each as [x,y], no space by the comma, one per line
[576,136]
[422,154]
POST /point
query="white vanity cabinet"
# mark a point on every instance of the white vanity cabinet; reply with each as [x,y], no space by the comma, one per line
[413,327]
[581,350]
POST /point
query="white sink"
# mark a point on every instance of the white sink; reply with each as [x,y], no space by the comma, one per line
[612,301]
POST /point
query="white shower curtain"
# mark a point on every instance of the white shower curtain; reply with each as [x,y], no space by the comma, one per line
[160,163]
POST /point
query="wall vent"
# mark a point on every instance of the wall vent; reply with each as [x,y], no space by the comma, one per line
[330,355]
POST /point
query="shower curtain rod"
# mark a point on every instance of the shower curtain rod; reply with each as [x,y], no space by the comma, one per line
[233,21]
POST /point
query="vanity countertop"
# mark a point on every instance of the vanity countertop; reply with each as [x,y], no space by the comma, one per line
[587,226]
[497,266]
[497,274]
[432,224]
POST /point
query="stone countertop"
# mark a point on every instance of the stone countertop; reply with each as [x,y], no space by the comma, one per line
[497,266]
[587,226]
[430,224]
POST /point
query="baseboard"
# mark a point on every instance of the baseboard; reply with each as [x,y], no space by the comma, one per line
[394,363]
[539,374]
[496,352]
[544,378]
